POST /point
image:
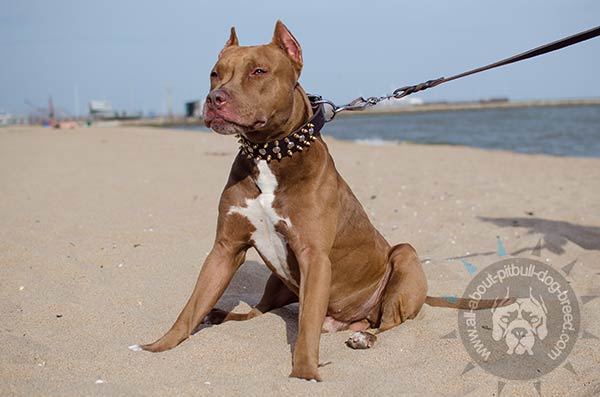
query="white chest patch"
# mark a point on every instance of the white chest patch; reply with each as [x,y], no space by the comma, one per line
[260,212]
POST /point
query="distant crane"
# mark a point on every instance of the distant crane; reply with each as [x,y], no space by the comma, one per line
[169,91]
[46,112]
[39,111]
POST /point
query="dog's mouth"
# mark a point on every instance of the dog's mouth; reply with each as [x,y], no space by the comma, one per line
[225,125]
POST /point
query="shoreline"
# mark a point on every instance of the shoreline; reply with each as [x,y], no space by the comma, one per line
[180,121]
[565,131]
[463,106]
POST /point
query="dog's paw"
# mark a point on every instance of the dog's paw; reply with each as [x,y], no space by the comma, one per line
[153,347]
[361,340]
[167,342]
[306,374]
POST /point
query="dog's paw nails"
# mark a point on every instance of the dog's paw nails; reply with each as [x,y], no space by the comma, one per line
[361,340]
[135,348]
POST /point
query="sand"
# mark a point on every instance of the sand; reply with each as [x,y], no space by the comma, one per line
[103,232]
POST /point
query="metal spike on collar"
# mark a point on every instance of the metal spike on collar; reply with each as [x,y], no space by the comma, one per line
[296,141]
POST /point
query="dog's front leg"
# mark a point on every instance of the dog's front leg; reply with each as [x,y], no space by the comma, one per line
[216,273]
[315,280]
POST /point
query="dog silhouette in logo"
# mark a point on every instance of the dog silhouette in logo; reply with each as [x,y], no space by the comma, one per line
[520,323]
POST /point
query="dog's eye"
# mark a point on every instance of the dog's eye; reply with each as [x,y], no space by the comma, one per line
[214,74]
[259,71]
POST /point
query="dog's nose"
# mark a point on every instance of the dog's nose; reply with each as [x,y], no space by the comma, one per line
[217,98]
[519,332]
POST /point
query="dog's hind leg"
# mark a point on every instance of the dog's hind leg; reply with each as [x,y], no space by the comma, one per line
[403,296]
[406,290]
[276,295]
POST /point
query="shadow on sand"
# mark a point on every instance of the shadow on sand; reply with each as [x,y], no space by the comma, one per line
[556,234]
[247,287]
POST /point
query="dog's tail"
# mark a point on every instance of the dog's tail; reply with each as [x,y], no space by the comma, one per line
[467,304]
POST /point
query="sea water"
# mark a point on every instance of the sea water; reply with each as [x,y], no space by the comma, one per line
[560,131]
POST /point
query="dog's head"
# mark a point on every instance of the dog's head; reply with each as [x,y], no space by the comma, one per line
[252,88]
[520,323]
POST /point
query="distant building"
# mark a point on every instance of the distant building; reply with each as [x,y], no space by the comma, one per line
[193,109]
[6,119]
[494,100]
[102,110]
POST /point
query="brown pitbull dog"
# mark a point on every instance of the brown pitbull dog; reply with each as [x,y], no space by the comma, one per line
[285,198]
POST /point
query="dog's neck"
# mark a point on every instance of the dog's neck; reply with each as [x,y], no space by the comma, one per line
[301,129]
[301,112]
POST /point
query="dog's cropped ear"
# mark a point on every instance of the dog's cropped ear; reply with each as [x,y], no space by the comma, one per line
[232,42]
[287,42]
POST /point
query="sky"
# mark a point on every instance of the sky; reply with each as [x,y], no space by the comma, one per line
[131,52]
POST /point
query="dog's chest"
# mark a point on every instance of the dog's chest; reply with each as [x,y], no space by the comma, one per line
[259,211]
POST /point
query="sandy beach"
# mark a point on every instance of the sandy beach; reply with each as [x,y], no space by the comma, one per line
[103,232]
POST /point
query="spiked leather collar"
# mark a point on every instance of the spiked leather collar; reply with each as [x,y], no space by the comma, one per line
[296,141]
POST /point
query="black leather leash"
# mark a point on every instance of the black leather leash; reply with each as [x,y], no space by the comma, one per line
[362,103]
